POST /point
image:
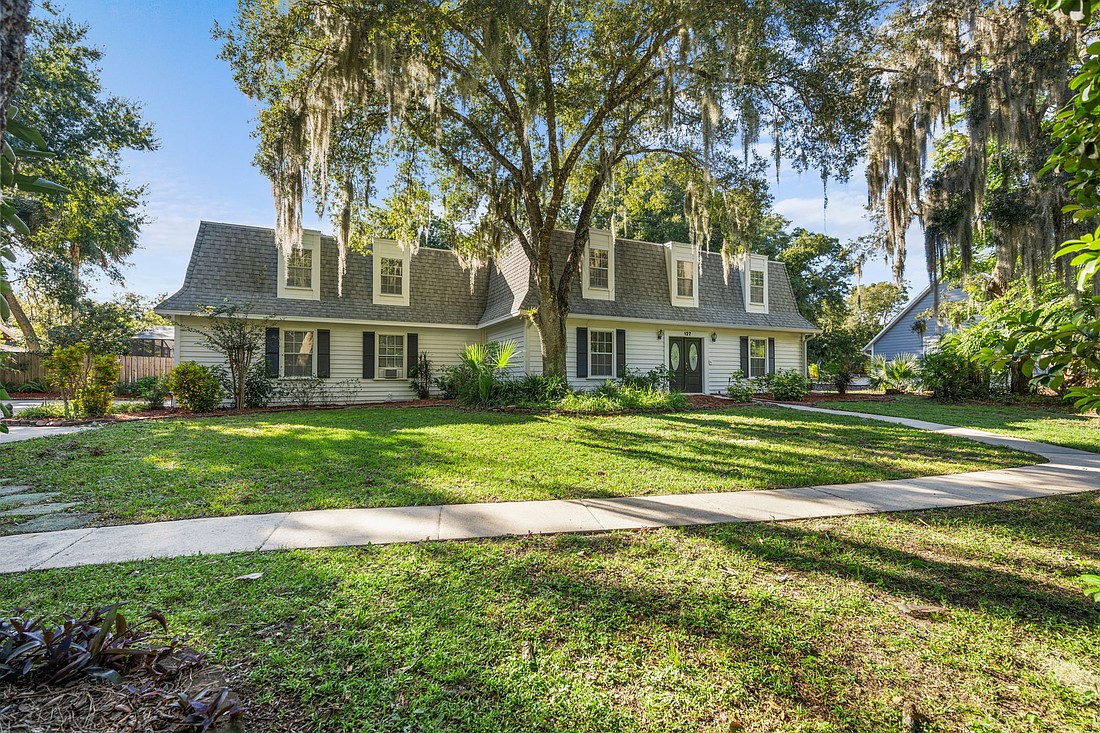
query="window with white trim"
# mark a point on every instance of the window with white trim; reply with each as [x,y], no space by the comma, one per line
[601,353]
[297,353]
[597,268]
[756,287]
[391,356]
[685,279]
[392,276]
[299,269]
[758,357]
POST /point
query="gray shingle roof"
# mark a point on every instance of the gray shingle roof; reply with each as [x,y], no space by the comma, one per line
[239,264]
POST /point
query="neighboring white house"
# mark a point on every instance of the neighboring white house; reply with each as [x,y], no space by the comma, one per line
[900,337]
[634,306]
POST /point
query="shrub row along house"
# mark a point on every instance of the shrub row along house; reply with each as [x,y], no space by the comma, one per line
[635,306]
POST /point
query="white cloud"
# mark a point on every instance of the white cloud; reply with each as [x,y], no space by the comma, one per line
[845,217]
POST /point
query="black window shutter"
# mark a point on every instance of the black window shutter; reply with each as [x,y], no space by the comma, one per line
[582,353]
[323,359]
[368,354]
[620,352]
[271,351]
[412,353]
[771,356]
[745,355]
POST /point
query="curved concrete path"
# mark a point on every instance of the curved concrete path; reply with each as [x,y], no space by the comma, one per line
[1066,471]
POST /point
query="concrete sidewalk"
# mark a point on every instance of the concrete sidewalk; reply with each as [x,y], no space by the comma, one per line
[1067,471]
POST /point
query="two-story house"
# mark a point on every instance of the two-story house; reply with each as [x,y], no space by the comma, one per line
[635,306]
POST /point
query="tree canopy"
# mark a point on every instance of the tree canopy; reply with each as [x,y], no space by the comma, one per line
[493,111]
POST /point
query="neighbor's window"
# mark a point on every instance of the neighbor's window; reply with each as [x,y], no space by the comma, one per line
[597,268]
[758,357]
[391,354]
[756,287]
[297,353]
[299,269]
[391,276]
[685,279]
[602,353]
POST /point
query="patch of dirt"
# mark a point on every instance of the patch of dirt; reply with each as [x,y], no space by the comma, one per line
[711,402]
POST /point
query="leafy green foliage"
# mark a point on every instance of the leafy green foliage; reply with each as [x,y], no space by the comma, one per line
[740,388]
[154,390]
[790,385]
[45,411]
[196,387]
[952,374]
[260,388]
[486,364]
[422,379]
[230,330]
[106,327]
[839,354]
[535,390]
[613,398]
[95,397]
[896,375]
[67,369]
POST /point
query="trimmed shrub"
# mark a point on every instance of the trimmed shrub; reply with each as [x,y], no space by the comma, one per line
[790,385]
[154,390]
[259,387]
[196,387]
[95,398]
[740,388]
[952,376]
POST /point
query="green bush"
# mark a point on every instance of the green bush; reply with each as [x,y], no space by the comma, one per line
[951,375]
[740,388]
[195,387]
[453,380]
[45,411]
[656,378]
[421,377]
[259,386]
[535,390]
[790,385]
[94,398]
[154,390]
[613,398]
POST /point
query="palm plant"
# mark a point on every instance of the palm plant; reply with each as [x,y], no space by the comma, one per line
[487,363]
[896,375]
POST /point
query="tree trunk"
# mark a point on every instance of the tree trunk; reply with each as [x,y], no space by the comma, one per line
[550,322]
[14,26]
[25,325]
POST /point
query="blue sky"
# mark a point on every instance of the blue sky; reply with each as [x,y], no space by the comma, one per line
[160,52]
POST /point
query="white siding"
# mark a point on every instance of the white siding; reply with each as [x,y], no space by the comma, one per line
[511,330]
[722,356]
[442,345]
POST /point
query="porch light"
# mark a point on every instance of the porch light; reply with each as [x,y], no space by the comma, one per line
[660,334]
[713,335]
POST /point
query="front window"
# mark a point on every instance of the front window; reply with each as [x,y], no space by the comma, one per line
[392,276]
[758,357]
[391,356]
[299,269]
[756,287]
[297,353]
[685,279]
[597,268]
[602,352]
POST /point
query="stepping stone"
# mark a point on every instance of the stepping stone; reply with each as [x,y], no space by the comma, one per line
[13,489]
[13,499]
[53,523]
[33,510]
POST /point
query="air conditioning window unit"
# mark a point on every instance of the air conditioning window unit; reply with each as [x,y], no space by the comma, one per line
[391,373]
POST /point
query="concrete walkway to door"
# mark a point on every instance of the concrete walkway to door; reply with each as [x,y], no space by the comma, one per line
[1066,471]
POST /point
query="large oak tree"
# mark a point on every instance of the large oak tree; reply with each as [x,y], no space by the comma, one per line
[489,111]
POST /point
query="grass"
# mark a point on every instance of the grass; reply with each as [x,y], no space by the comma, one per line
[790,627]
[1046,421]
[269,462]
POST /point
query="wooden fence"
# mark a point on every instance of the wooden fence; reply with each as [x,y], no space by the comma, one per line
[19,368]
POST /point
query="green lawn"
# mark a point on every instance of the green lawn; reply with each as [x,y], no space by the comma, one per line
[769,627]
[1046,421]
[400,456]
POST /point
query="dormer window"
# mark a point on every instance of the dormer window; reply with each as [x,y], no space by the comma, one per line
[390,273]
[392,276]
[299,274]
[685,279]
[754,278]
[598,267]
[299,269]
[756,287]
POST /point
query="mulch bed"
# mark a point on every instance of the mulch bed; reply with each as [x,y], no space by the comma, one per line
[711,402]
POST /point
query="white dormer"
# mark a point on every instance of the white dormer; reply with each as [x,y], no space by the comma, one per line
[754,281]
[299,276]
[598,268]
[682,263]
[390,265]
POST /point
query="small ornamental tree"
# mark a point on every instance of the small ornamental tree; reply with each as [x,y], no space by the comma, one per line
[233,332]
[67,369]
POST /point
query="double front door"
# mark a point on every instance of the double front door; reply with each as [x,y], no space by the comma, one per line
[685,360]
